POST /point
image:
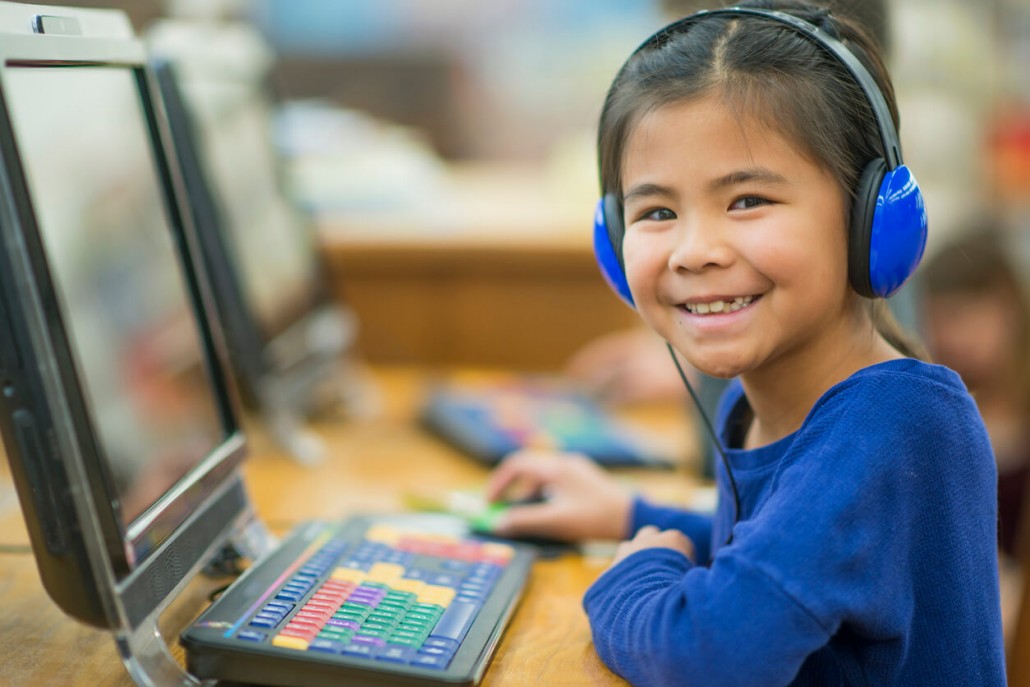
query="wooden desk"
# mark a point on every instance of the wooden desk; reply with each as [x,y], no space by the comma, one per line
[372,463]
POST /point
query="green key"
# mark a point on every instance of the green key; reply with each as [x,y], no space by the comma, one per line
[435,609]
[400,597]
[421,618]
[388,605]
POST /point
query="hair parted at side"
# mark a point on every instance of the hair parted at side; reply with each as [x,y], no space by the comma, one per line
[765,72]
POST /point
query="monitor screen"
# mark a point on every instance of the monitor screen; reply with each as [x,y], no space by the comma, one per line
[97,195]
[274,253]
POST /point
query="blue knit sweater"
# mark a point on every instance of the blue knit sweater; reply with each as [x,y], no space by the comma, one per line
[864,552]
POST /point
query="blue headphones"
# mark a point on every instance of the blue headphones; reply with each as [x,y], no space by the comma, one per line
[888,227]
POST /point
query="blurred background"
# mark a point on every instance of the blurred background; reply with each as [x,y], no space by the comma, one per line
[444,153]
[445,150]
[384,103]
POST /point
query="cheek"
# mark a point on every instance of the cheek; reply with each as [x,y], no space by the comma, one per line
[640,263]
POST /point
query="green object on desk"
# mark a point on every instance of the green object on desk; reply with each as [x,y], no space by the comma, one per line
[470,506]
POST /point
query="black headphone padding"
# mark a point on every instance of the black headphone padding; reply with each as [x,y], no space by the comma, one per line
[861,229]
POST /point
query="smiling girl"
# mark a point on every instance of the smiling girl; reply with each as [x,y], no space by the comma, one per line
[741,156]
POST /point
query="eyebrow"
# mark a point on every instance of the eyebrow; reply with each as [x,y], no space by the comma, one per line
[646,190]
[758,175]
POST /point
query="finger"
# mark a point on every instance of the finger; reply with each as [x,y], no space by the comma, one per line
[538,520]
[523,468]
[646,531]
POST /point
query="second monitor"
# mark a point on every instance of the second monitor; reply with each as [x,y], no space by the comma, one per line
[287,337]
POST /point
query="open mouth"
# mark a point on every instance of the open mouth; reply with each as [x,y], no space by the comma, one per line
[719,306]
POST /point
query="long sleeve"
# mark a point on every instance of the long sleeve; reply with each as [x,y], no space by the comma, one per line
[733,628]
[863,555]
[697,526]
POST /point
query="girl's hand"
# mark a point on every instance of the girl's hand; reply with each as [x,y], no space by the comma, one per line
[650,537]
[579,500]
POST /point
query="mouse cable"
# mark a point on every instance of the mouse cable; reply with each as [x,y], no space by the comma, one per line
[713,435]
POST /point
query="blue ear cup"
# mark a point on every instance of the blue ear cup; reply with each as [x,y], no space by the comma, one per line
[608,246]
[888,230]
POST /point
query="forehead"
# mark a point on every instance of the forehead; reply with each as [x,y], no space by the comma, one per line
[705,136]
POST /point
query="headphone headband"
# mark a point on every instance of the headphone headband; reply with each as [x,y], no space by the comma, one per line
[888,134]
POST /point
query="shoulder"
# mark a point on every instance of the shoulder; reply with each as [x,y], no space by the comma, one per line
[897,415]
[899,391]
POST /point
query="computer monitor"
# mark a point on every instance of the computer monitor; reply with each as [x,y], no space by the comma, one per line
[117,416]
[286,334]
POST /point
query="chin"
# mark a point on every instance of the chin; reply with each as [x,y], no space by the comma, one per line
[723,369]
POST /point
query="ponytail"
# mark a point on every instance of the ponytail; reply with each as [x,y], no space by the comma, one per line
[905,342]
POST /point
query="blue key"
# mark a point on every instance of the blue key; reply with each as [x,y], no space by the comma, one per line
[362,650]
[429,661]
[442,643]
[284,607]
[259,621]
[396,653]
[329,646]
[251,636]
[455,621]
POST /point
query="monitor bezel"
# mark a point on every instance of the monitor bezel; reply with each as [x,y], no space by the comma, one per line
[42,382]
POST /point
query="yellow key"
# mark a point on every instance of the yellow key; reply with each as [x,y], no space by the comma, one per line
[413,586]
[349,575]
[288,642]
[435,594]
[387,573]
[387,534]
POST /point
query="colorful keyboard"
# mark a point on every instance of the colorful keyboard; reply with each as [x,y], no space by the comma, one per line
[489,421]
[365,601]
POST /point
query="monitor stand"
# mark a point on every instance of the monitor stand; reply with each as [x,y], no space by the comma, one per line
[329,382]
[145,652]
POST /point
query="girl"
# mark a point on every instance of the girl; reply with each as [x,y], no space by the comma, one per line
[854,538]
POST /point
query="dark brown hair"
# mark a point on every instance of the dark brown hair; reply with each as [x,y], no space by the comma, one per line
[977,264]
[766,72]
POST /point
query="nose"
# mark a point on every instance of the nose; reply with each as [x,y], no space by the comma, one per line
[699,243]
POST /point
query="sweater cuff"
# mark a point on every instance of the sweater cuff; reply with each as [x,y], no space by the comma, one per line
[621,578]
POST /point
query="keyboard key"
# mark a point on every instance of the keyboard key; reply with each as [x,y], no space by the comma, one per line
[455,621]
[288,642]
[251,636]
[360,650]
[326,645]
[430,661]
[396,653]
[443,643]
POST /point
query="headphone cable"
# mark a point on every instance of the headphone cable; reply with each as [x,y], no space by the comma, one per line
[713,435]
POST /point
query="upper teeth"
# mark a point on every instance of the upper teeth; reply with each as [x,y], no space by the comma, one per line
[719,306]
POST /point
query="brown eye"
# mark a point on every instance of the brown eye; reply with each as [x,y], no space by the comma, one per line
[748,202]
[658,215]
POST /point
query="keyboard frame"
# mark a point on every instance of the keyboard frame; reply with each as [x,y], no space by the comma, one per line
[212,654]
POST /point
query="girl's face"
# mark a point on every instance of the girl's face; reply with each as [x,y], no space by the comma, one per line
[736,245]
